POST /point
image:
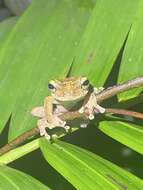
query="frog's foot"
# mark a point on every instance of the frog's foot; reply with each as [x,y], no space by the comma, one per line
[42,125]
[88,111]
[57,122]
[91,107]
[82,109]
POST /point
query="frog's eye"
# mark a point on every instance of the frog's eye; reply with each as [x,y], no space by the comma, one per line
[85,83]
[51,86]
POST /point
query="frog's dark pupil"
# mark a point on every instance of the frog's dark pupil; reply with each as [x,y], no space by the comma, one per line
[86,82]
[50,86]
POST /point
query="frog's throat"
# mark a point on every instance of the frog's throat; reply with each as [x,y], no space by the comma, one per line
[70,103]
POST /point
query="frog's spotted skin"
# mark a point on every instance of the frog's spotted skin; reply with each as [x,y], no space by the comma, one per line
[66,94]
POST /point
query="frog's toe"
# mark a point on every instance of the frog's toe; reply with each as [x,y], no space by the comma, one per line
[43,132]
[81,110]
[63,123]
[42,125]
[91,116]
[48,137]
[67,128]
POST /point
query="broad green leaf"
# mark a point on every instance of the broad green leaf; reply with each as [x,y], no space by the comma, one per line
[85,170]
[5,28]
[132,61]
[11,179]
[126,133]
[103,38]
[41,46]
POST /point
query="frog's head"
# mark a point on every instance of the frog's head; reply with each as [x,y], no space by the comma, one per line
[70,89]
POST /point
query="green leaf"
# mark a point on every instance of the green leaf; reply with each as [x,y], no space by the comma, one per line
[86,170]
[41,47]
[132,61]
[19,152]
[5,28]
[15,180]
[126,133]
[103,38]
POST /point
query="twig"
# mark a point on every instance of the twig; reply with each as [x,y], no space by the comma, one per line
[114,90]
[19,140]
[105,94]
[124,112]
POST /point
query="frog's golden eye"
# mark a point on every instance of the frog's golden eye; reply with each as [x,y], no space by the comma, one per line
[51,86]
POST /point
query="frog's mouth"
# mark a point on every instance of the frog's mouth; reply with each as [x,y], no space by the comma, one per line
[64,99]
[69,104]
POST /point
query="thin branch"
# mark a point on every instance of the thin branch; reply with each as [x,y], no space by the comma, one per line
[124,112]
[105,94]
[114,90]
[19,140]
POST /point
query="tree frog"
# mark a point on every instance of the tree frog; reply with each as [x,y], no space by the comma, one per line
[70,94]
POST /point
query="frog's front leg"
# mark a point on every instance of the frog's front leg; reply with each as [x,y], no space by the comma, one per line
[50,120]
[49,112]
[91,107]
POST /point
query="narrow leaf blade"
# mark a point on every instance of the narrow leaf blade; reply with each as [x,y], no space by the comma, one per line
[132,61]
[5,29]
[126,133]
[103,38]
[86,170]
[34,54]
[13,179]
